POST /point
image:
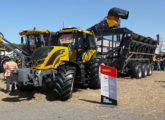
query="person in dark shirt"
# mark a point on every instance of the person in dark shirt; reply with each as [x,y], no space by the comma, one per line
[158,64]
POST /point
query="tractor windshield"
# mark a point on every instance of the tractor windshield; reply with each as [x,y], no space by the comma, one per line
[76,40]
[34,41]
[68,40]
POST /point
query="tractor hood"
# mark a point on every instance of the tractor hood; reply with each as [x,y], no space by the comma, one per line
[41,53]
[49,57]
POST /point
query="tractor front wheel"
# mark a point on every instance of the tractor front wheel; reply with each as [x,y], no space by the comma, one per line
[64,83]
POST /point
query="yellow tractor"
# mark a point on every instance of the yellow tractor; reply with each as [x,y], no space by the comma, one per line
[67,59]
[30,40]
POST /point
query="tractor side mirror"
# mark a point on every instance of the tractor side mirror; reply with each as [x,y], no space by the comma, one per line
[22,40]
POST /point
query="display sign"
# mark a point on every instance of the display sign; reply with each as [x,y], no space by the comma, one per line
[68,38]
[108,76]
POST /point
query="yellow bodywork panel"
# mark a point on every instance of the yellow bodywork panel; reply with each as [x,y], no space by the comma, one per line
[54,58]
[113,21]
[74,29]
[1,39]
[18,62]
[2,49]
[88,55]
[154,59]
[30,32]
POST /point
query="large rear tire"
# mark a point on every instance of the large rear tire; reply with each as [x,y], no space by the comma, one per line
[94,76]
[64,84]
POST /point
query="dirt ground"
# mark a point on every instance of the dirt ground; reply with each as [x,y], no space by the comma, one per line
[146,94]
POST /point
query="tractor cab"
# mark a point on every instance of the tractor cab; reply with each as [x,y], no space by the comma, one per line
[80,42]
[33,39]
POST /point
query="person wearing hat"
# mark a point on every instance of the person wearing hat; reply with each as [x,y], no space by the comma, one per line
[10,65]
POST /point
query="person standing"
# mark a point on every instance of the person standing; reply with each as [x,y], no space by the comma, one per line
[11,65]
[3,62]
[158,64]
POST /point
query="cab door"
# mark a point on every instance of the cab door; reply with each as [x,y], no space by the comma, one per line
[91,51]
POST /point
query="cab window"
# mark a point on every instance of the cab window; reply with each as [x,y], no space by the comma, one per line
[92,42]
[68,40]
[80,42]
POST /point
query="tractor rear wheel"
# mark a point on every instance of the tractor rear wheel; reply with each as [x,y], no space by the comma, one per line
[64,84]
[94,76]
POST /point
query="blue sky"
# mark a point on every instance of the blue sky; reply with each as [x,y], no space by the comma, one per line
[146,17]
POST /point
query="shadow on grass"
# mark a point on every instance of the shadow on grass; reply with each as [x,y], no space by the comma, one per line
[160,81]
[90,101]
[2,90]
[19,96]
[163,86]
[27,95]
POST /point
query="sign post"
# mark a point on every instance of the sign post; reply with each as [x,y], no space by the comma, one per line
[108,76]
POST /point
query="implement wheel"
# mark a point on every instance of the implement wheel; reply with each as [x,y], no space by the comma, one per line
[137,71]
[149,70]
[144,70]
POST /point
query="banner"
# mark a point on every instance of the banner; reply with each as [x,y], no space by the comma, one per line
[108,76]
